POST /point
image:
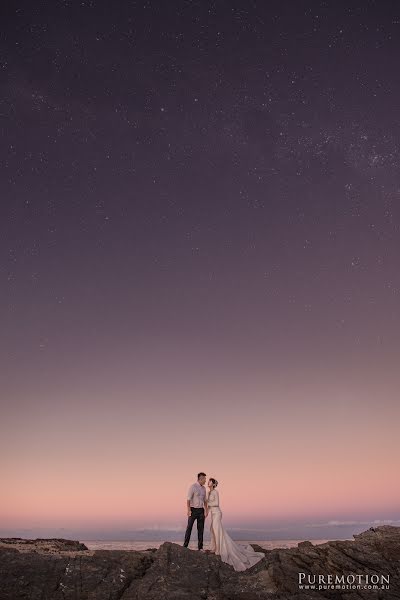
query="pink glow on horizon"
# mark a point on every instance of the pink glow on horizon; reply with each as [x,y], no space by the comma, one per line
[280,454]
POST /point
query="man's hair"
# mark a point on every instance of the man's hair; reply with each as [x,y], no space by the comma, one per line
[200,474]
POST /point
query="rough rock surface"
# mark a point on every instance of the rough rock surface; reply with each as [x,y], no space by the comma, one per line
[58,569]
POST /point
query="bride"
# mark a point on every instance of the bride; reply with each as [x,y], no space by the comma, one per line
[239,556]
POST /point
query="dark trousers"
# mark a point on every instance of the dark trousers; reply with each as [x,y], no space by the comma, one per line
[197,513]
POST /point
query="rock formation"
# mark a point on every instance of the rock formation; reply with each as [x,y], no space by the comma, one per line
[58,569]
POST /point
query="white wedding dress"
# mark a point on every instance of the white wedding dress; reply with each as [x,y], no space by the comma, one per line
[240,556]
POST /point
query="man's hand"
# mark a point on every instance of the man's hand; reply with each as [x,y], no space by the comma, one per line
[205,514]
[189,513]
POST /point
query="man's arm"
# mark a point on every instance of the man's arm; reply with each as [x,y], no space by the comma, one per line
[189,497]
[205,507]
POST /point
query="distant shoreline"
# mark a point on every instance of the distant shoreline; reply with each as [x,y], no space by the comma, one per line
[51,545]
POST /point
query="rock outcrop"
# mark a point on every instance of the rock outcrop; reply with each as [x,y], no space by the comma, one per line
[58,569]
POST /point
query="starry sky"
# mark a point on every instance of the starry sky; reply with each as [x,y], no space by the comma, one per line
[199,263]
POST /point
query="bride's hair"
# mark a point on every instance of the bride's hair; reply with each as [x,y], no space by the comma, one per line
[215,482]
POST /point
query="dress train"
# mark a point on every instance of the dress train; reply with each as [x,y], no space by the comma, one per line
[240,556]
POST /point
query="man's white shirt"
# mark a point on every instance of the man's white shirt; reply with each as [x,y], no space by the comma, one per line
[196,495]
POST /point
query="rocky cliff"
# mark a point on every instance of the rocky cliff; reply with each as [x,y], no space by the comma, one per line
[58,569]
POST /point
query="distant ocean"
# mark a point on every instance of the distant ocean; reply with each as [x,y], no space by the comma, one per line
[127,545]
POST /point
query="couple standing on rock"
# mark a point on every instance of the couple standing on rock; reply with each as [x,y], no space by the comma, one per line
[198,506]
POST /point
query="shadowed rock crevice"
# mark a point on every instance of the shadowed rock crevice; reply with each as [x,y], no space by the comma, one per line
[57,569]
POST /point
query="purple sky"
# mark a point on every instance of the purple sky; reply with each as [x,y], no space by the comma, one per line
[200,263]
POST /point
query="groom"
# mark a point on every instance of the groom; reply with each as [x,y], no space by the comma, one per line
[196,497]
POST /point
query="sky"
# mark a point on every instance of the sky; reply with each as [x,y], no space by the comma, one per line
[199,265]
